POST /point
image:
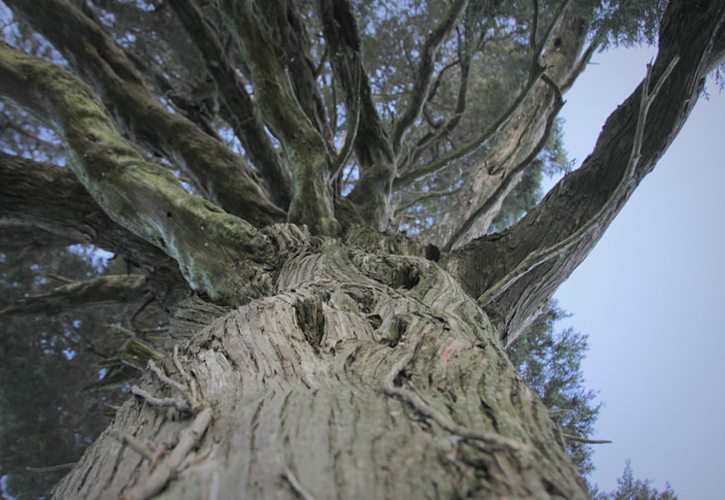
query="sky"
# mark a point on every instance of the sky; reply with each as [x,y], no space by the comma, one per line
[650,295]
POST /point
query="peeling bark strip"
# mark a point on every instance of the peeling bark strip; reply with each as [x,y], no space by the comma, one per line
[293,416]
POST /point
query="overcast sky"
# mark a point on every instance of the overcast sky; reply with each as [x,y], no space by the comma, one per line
[650,295]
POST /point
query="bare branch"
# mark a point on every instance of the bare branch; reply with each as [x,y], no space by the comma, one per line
[513,176]
[578,439]
[109,289]
[469,148]
[523,134]
[447,127]
[422,197]
[421,85]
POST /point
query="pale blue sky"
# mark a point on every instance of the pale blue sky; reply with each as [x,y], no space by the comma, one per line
[650,295]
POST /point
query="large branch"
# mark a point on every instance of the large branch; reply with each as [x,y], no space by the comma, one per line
[50,198]
[574,215]
[218,253]
[373,148]
[518,135]
[110,289]
[242,111]
[26,239]
[221,175]
[290,33]
[303,142]
[422,83]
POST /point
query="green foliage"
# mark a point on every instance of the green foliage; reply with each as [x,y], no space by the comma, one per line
[630,488]
[48,415]
[549,361]
[628,23]
[45,418]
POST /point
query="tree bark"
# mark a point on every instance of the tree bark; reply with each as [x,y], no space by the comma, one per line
[364,376]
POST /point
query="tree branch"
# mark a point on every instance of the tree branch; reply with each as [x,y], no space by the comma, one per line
[243,113]
[140,196]
[308,152]
[50,199]
[372,144]
[109,289]
[421,85]
[290,33]
[522,135]
[574,215]
[469,148]
[538,257]
[422,197]
[27,239]
[513,177]
[220,174]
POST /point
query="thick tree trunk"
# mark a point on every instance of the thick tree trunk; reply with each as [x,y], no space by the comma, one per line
[364,376]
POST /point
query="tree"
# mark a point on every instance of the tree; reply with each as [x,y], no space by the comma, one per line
[550,364]
[244,158]
[46,416]
[637,489]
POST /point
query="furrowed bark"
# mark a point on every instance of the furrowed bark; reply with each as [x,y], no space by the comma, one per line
[52,199]
[243,114]
[218,253]
[364,376]
[219,174]
[103,290]
[422,83]
[304,144]
[520,135]
[374,151]
[692,32]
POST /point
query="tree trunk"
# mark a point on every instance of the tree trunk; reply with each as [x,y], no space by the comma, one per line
[364,376]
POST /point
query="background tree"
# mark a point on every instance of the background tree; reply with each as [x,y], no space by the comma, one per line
[630,488]
[246,159]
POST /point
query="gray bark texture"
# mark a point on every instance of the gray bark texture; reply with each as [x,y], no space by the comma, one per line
[364,376]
